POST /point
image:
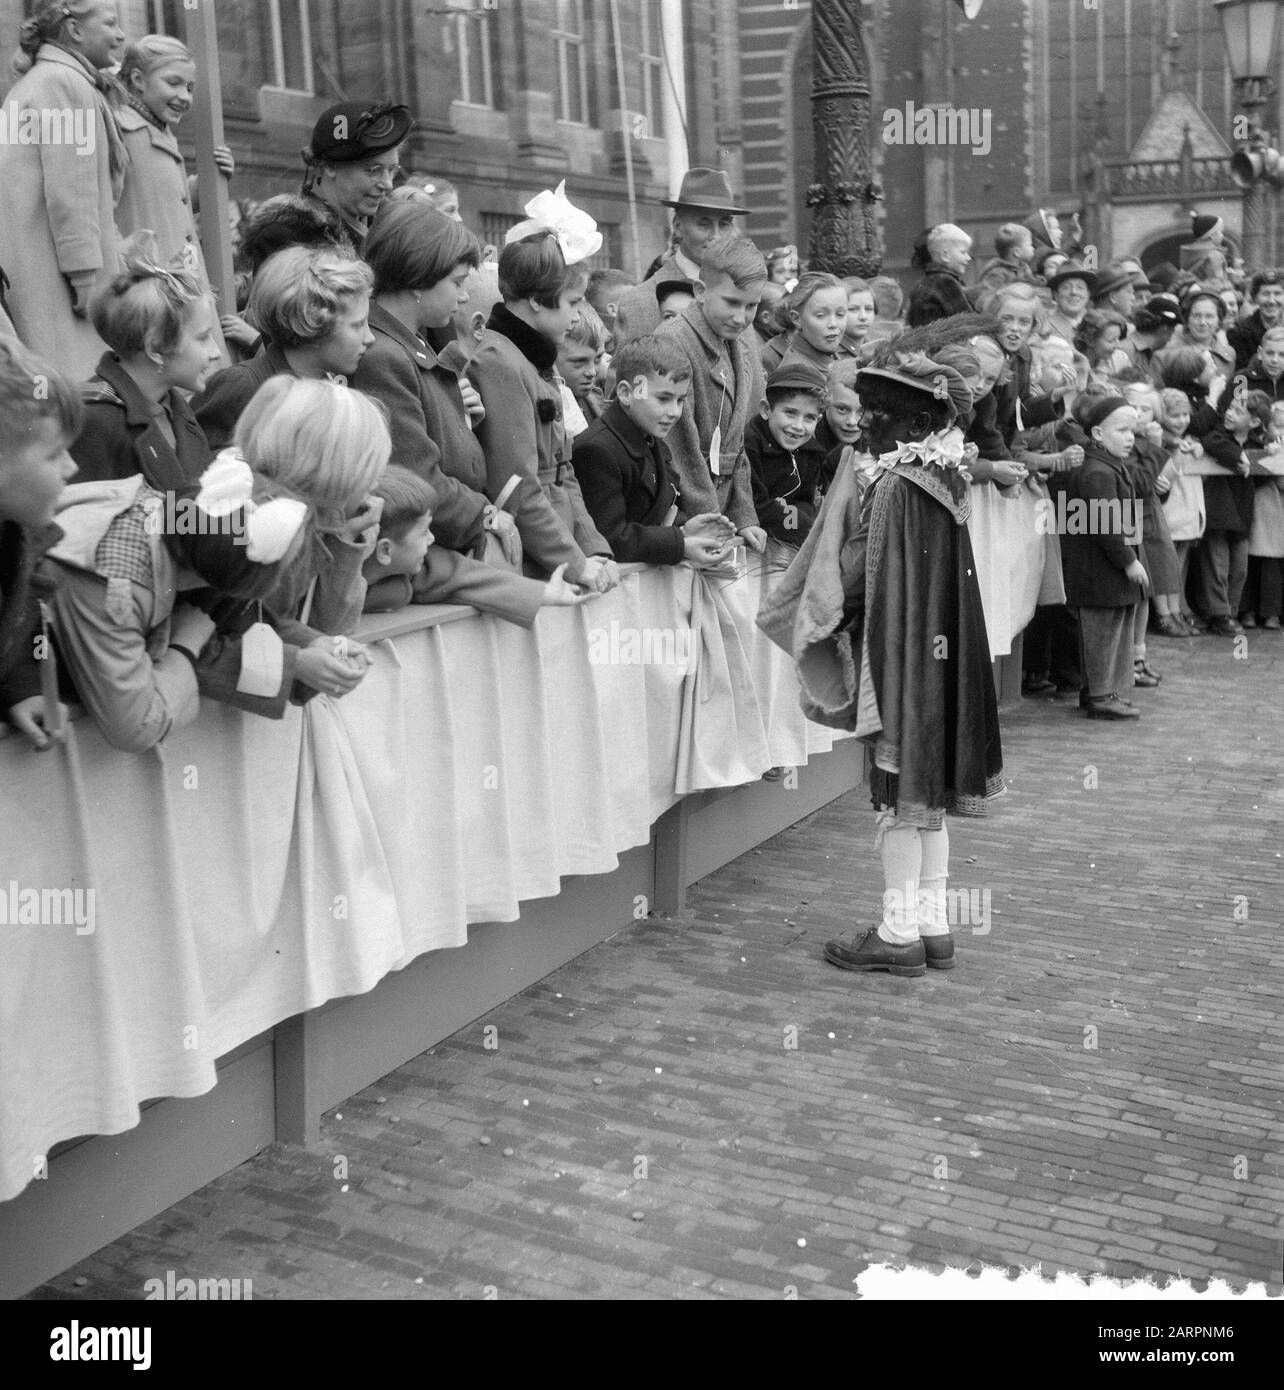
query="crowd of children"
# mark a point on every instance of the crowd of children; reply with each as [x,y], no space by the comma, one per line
[416,421]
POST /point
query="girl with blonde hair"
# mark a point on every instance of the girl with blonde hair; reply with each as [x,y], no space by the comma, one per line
[58,235]
[158,78]
[312,305]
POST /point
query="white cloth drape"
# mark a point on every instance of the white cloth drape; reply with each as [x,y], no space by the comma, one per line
[250,870]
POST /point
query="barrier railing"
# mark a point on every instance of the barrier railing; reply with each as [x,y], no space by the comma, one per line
[160,910]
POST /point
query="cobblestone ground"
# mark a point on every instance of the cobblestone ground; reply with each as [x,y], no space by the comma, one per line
[701,1108]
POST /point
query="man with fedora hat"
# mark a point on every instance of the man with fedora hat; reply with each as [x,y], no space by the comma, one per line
[352,159]
[1116,289]
[1072,289]
[704,209]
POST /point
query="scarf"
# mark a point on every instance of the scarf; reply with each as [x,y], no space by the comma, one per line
[143,109]
[112,94]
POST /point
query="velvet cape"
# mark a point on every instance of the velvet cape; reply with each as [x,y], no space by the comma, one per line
[925,656]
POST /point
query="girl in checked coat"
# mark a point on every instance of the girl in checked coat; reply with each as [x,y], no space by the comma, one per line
[57,235]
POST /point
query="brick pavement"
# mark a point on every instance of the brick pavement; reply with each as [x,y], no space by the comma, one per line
[1095,1089]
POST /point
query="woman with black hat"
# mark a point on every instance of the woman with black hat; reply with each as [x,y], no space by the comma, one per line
[1202,314]
[1153,325]
[352,160]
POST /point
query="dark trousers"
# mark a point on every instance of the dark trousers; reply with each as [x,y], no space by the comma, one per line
[1105,648]
[1223,567]
[1264,592]
[1051,645]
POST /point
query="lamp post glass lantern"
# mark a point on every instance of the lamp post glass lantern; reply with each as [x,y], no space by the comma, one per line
[1250,30]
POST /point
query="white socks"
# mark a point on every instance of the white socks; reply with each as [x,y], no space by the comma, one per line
[916,865]
[932,918]
[902,863]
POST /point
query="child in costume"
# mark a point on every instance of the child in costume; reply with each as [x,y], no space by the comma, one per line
[882,614]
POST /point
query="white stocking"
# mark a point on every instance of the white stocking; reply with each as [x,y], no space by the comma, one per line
[932,917]
[902,856]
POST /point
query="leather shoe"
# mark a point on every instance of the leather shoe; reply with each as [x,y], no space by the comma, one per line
[1144,675]
[1247,621]
[939,951]
[870,952]
[1167,626]
[1225,627]
[1270,624]
[1111,707]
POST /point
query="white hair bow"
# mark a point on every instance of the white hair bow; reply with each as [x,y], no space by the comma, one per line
[227,485]
[577,232]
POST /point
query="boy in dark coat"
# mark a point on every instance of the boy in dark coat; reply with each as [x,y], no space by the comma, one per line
[40,415]
[939,294]
[786,479]
[624,470]
[1100,554]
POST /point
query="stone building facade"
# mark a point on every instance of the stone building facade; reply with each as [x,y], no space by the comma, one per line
[1067,84]
[510,96]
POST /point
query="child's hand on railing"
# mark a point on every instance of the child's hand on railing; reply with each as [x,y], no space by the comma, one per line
[559,593]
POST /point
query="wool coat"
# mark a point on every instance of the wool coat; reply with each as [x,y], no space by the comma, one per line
[1228,498]
[786,486]
[1245,337]
[523,437]
[637,309]
[58,210]
[1256,379]
[121,436]
[727,386]
[627,481]
[220,405]
[938,295]
[1094,563]
[156,195]
[429,426]
[448,577]
[24,580]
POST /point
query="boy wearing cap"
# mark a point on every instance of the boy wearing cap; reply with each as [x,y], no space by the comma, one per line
[352,160]
[703,211]
[1204,257]
[787,476]
[1104,576]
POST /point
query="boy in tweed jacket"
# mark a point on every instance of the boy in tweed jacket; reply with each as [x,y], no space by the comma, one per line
[707,443]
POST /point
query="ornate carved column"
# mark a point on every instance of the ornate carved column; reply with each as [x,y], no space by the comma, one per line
[844,234]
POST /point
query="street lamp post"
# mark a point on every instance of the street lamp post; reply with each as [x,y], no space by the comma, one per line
[1250,30]
[844,235]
